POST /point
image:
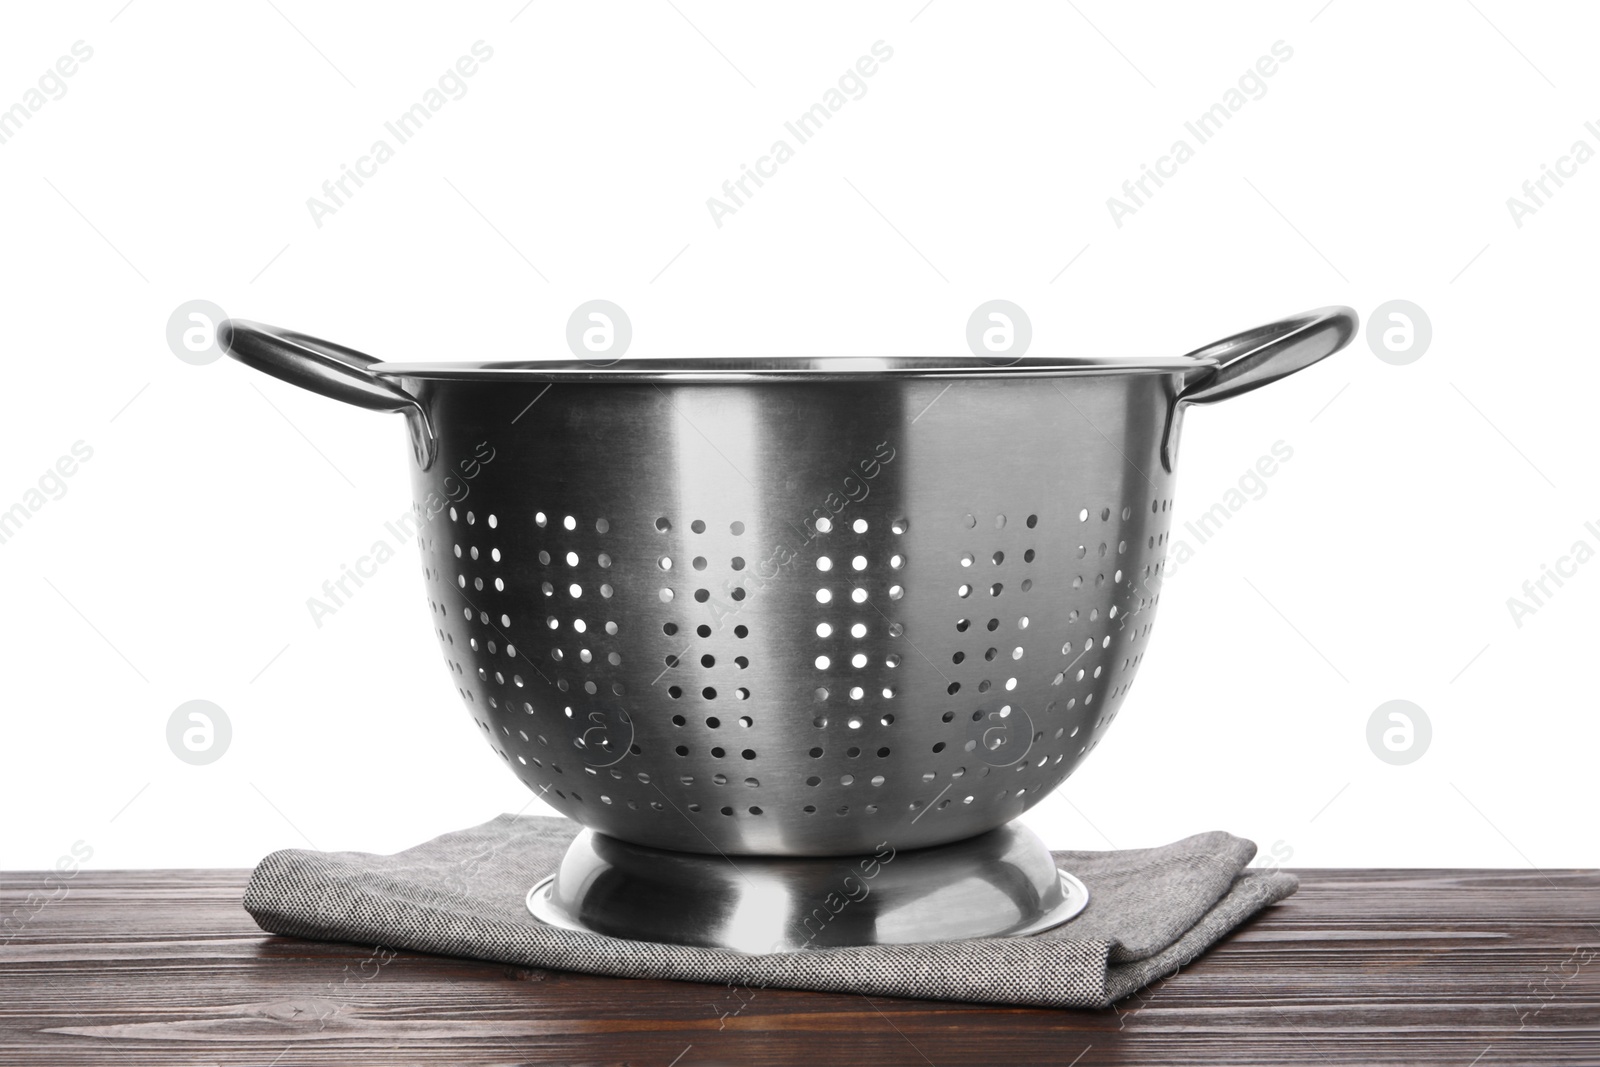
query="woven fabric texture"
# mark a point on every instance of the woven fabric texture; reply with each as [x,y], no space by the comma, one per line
[1150,912]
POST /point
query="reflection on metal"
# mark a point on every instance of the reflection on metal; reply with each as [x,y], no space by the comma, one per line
[796,608]
[1002,883]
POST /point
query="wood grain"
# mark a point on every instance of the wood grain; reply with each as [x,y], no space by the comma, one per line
[164,967]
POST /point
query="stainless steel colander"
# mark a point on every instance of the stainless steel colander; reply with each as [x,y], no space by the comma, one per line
[794,608]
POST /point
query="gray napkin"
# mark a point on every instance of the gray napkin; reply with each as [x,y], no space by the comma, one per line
[1150,912]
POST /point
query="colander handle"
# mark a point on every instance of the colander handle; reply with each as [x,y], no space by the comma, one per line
[1256,357]
[329,369]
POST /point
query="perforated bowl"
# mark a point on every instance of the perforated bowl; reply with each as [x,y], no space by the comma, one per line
[794,608]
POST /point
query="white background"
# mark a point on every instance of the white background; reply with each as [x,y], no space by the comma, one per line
[1377,166]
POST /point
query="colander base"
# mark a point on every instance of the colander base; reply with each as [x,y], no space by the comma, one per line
[1003,883]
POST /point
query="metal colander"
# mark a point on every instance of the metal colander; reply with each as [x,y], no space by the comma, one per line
[794,608]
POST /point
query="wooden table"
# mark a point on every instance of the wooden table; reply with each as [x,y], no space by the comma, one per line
[164,967]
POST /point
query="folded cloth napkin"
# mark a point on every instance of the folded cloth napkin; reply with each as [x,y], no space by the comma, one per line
[1150,912]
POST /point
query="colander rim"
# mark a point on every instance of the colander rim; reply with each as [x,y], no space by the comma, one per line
[788,368]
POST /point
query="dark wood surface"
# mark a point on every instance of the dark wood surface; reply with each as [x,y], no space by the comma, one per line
[1474,968]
